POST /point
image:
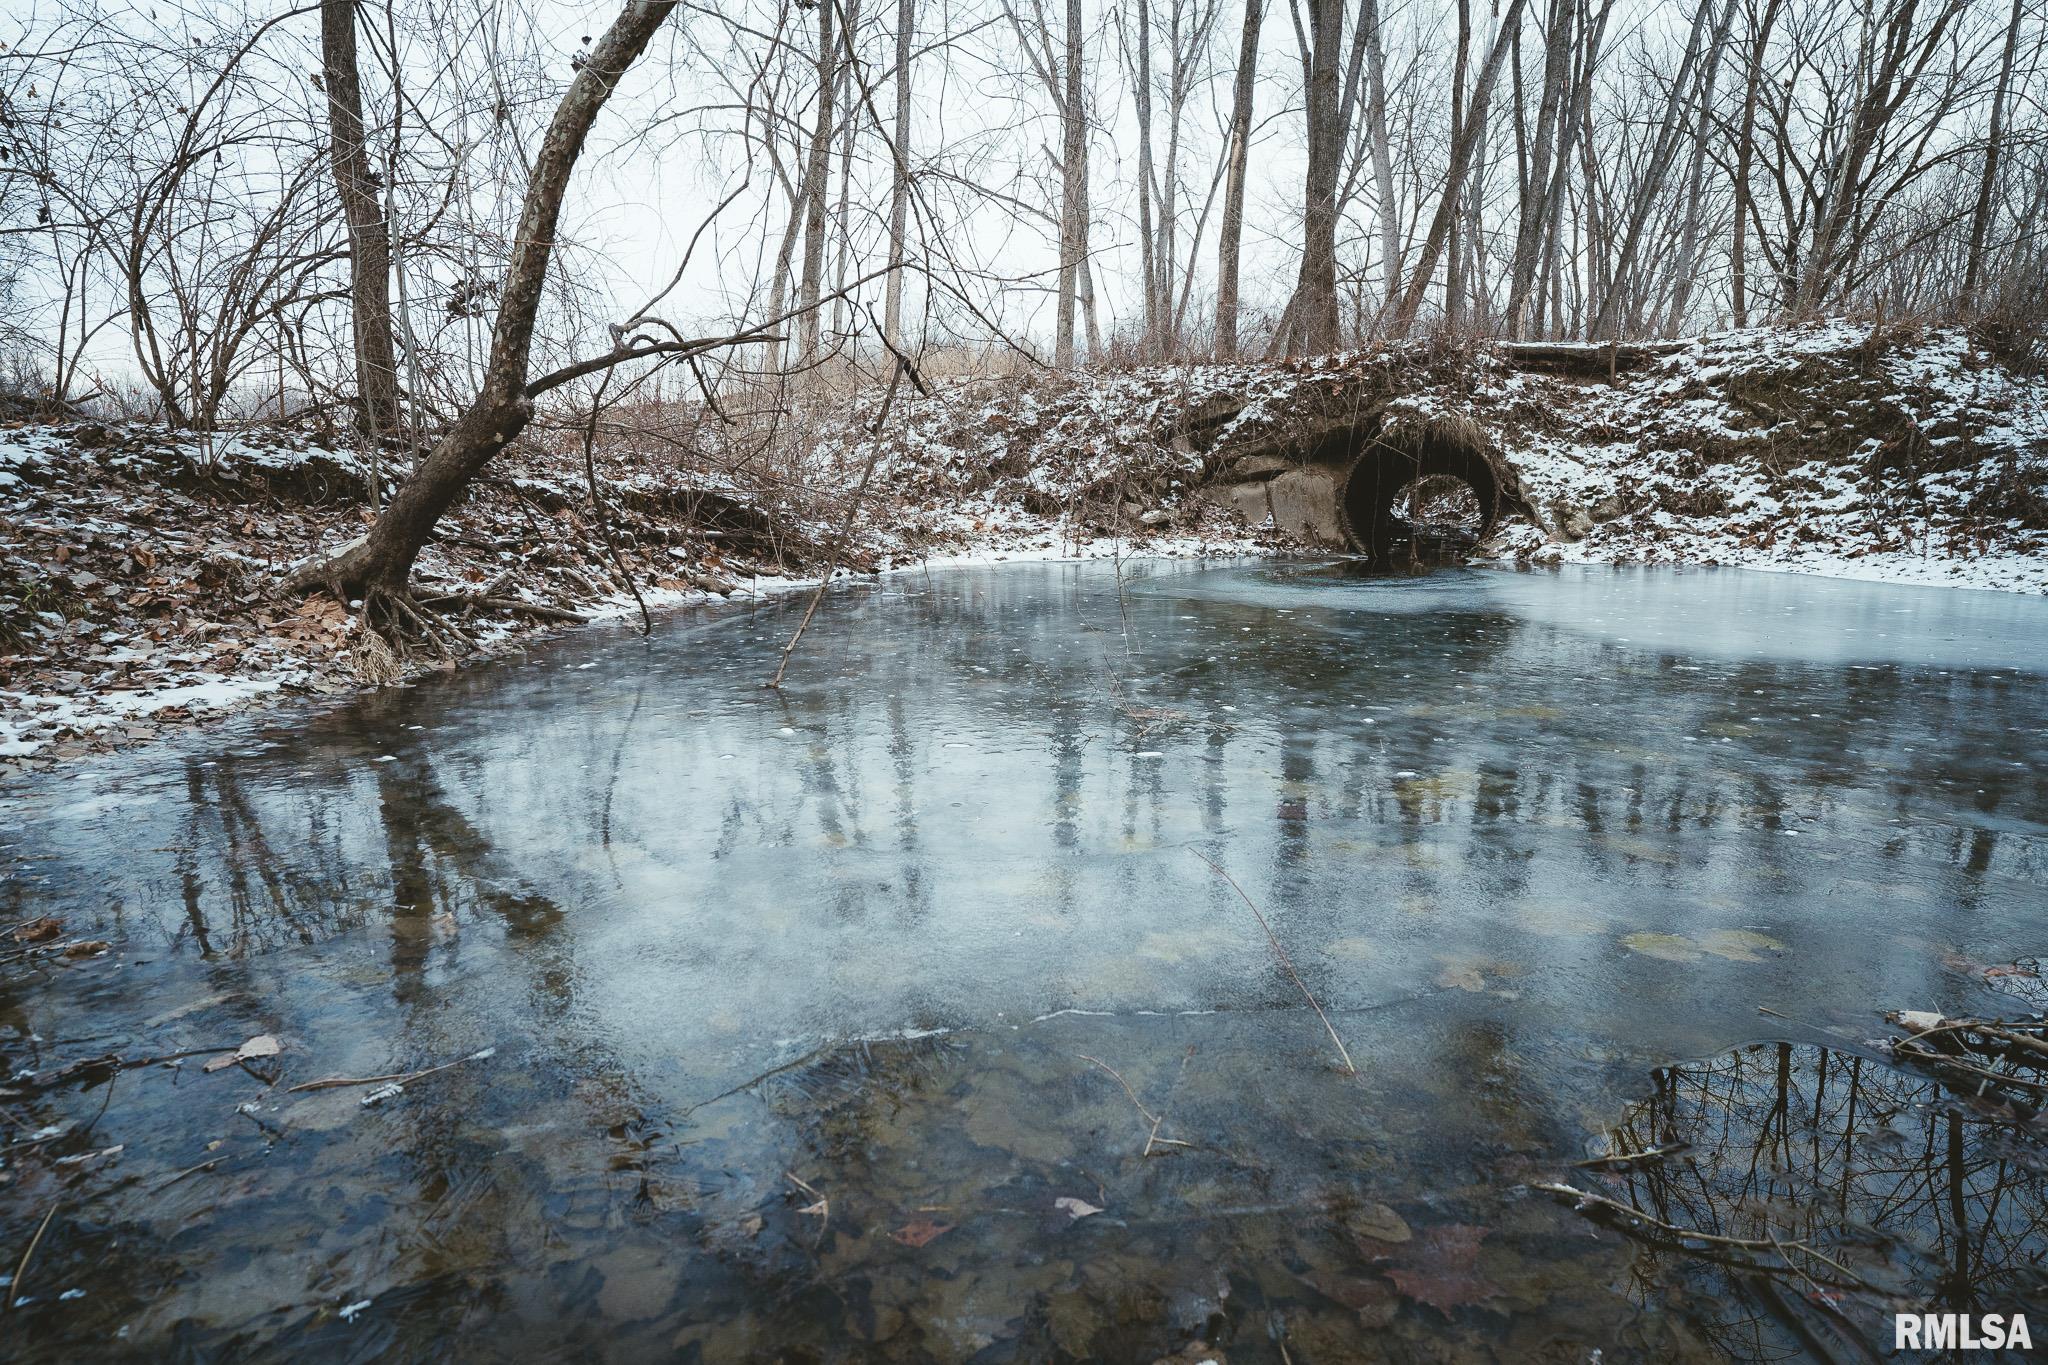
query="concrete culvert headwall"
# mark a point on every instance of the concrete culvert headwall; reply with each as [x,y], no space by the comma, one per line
[1338,484]
[1385,463]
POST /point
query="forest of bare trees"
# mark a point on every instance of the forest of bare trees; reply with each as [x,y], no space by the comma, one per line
[212,208]
[419,221]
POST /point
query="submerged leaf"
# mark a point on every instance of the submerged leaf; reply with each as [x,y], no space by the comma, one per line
[1378,1222]
[1440,1268]
[920,1232]
[1665,947]
[1740,945]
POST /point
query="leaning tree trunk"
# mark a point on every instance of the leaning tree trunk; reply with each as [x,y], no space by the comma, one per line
[1462,150]
[383,562]
[369,242]
[1387,208]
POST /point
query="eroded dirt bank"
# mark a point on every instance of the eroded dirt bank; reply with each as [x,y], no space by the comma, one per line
[139,569]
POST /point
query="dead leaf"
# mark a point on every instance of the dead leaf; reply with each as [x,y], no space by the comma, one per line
[87,947]
[39,930]
[1074,1208]
[1740,945]
[921,1232]
[1667,947]
[262,1045]
[1439,1268]
[1376,1221]
[1374,1303]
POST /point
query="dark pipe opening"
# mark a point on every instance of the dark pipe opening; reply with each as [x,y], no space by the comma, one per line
[1433,497]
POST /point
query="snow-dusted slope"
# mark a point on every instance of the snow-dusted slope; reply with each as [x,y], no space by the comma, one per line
[1915,457]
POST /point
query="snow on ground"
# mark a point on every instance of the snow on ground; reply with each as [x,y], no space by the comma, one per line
[1914,458]
[139,571]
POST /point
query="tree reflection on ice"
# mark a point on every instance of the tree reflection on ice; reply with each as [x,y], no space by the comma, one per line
[1826,1191]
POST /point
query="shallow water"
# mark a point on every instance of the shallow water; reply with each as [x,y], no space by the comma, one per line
[807,1010]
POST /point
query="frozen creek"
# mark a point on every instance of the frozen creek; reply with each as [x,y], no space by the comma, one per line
[895,1017]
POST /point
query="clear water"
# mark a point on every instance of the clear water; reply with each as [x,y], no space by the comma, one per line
[808,1008]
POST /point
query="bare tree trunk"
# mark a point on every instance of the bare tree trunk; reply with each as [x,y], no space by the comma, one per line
[1745,155]
[1084,283]
[778,287]
[1536,188]
[817,174]
[1073,196]
[369,242]
[1454,180]
[899,187]
[1658,164]
[1382,152]
[842,305]
[1695,181]
[1312,315]
[1980,218]
[1148,233]
[502,406]
[1454,263]
[1231,237]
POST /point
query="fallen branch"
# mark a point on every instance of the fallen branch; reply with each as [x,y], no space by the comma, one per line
[822,1209]
[396,1078]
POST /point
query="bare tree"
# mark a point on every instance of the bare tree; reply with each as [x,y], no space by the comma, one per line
[1994,140]
[1462,150]
[376,363]
[1310,323]
[1230,238]
[1073,193]
[899,182]
[817,172]
[381,564]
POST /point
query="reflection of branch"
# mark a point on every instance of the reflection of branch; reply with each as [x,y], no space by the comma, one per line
[1631,1214]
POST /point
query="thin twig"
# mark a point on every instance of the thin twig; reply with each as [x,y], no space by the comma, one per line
[21,1266]
[1152,1139]
[398,1078]
[1149,1116]
[189,1170]
[1285,961]
[823,1208]
[845,529]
